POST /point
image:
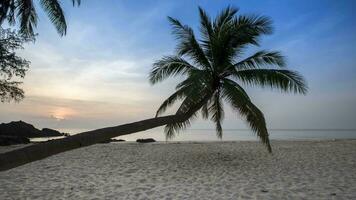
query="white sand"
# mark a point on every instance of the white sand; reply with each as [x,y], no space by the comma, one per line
[225,170]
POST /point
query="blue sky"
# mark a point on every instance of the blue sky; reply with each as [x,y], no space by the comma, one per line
[96,75]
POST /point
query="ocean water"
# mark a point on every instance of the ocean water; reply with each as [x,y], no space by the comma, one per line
[237,135]
[244,135]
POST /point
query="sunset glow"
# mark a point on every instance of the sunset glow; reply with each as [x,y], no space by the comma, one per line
[62,113]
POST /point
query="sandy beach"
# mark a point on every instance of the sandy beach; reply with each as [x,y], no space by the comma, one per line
[209,170]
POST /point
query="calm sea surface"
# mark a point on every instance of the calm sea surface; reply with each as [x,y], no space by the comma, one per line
[238,134]
[231,134]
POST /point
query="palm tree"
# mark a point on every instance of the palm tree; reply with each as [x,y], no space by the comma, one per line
[24,11]
[214,69]
[212,65]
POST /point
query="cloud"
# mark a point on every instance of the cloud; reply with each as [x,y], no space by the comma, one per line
[96,76]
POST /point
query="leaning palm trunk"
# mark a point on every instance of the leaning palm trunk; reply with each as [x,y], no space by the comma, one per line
[39,151]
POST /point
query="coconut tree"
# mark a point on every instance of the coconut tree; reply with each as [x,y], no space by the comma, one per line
[24,12]
[214,70]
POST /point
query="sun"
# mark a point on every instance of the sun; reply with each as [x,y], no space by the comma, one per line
[62,113]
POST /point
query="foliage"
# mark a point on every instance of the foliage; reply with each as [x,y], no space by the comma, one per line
[214,70]
[24,12]
[11,65]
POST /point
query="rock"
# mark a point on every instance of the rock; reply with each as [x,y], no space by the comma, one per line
[51,133]
[66,134]
[119,140]
[113,140]
[23,129]
[11,140]
[19,128]
[148,140]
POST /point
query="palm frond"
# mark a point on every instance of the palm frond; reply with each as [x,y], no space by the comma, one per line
[255,24]
[188,45]
[189,103]
[196,93]
[218,128]
[225,16]
[249,28]
[7,11]
[56,14]
[205,110]
[247,109]
[193,99]
[192,103]
[171,130]
[230,83]
[196,78]
[179,94]
[217,113]
[284,80]
[169,101]
[169,66]
[28,17]
[207,33]
[206,26]
[24,12]
[76,2]
[221,51]
[262,59]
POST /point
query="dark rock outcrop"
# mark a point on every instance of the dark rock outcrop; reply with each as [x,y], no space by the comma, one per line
[11,140]
[113,140]
[23,129]
[119,140]
[51,133]
[19,128]
[148,140]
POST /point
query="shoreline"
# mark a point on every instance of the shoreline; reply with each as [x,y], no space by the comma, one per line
[8,148]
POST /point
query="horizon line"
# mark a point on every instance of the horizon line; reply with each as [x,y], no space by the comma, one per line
[285,129]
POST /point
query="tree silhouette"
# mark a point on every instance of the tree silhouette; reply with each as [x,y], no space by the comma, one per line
[24,12]
[11,65]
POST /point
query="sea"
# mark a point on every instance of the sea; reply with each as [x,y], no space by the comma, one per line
[238,135]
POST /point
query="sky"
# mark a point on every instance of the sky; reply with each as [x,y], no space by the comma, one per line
[96,75]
